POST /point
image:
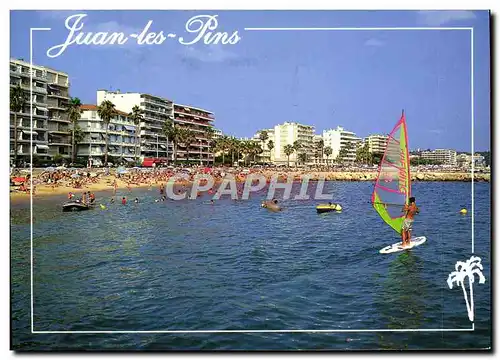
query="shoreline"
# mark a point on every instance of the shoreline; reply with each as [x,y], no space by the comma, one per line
[106,183]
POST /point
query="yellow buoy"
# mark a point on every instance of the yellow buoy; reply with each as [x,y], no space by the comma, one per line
[103,206]
[338,207]
[463,211]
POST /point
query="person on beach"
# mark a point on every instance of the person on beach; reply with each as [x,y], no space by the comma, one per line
[124,201]
[112,201]
[410,211]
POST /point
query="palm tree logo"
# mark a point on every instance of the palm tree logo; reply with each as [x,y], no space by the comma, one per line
[467,270]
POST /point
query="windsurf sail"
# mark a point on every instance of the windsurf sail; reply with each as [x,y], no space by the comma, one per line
[393,185]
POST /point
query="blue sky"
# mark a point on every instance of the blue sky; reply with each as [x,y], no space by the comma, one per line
[357,79]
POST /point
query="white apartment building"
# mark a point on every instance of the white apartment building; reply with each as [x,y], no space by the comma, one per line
[286,134]
[376,143]
[443,156]
[51,133]
[198,121]
[340,138]
[156,111]
[121,137]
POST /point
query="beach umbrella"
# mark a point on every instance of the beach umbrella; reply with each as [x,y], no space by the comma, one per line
[19,179]
[75,176]
[93,174]
[50,168]
[60,168]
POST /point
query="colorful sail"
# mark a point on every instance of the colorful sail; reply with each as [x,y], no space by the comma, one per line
[393,185]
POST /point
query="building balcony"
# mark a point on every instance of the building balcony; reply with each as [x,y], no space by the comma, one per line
[55,106]
[36,126]
[15,73]
[149,100]
[184,113]
[187,121]
[58,131]
[58,96]
[63,83]
[64,121]
[59,143]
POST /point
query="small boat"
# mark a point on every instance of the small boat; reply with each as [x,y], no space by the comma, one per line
[323,208]
[75,206]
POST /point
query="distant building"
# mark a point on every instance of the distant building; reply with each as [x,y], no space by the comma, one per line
[340,138]
[465,160]
[267,155]
[217,134]
[288,133]
[376,143]
[443,156]
[121,137]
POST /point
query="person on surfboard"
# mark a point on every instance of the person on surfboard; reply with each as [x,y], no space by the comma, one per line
[410,211]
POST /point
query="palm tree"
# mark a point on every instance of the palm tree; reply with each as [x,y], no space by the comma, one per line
[187,138]
[344,150]
[17,103]
[302,157]
[263,136]
[106,112]
[224,143]
[78,136]
[296,147]
[173,133]
[468,269]
[320,145]
[288,150]
[209,134]
[74,114]
[254,149]
[270,146]
[233,146]
[328,151]
[136,117]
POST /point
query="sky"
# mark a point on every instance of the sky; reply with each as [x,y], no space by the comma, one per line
[360,80]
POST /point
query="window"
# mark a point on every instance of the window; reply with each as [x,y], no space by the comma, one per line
[93,114]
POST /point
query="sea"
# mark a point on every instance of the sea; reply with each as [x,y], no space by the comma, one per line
[191,275]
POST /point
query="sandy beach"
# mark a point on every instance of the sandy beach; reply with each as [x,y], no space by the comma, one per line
[106,182]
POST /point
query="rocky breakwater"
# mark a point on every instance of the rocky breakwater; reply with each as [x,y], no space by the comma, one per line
[419,176]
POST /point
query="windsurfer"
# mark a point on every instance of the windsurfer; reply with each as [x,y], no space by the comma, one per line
[410,211]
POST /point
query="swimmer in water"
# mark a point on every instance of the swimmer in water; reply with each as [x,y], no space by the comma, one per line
[136,200]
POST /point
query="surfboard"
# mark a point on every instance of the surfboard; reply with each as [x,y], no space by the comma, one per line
[397,247]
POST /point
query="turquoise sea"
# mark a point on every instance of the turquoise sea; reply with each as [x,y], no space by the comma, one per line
[188,265]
